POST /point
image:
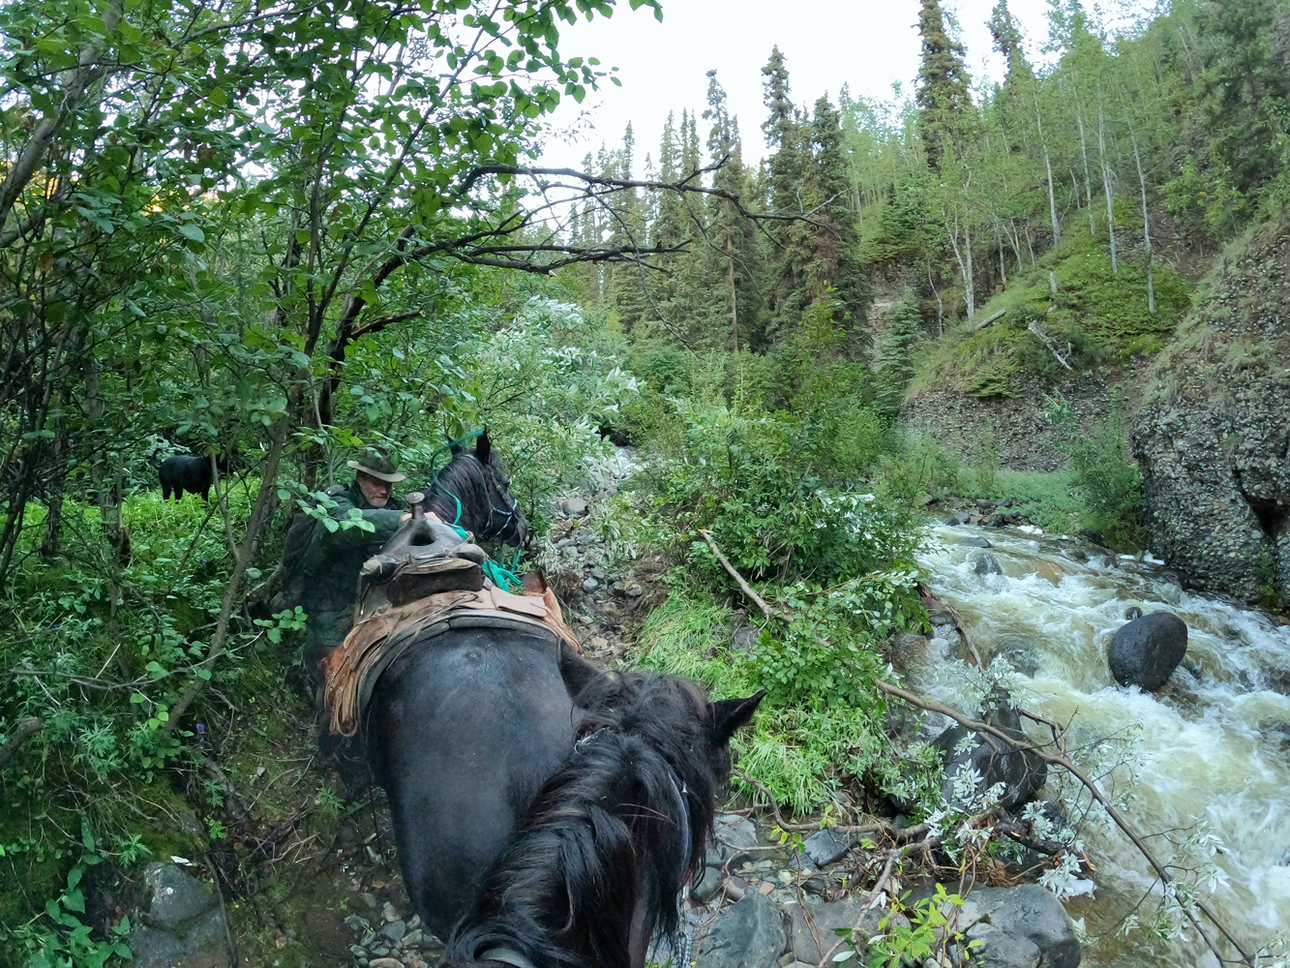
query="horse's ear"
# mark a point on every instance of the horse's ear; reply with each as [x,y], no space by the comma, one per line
[729,714]
[483,448]
[576,671]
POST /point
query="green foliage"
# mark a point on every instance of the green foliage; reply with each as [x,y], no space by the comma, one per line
[801,752]
[1105,475]
[764,485]
[1204,202]
[986,461]
[61,939]
[910,934]
[825,651]
[1095,314]
[918,467]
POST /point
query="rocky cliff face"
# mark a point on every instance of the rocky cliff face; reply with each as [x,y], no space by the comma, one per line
[1213,434]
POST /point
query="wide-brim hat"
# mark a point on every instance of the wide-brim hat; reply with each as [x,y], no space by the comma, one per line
[378,464]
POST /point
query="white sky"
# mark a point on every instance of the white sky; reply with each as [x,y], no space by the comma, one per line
[826,43]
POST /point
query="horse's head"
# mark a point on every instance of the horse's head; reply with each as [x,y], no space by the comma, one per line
[478,490]
[674,717]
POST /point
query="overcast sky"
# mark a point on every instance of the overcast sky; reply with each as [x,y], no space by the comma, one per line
[826,43]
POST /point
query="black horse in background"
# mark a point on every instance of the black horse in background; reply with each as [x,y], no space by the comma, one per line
[593,872]
[472,491]
[184,472]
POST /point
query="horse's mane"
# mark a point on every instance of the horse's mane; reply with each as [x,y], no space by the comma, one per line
[465,478]
[608,825]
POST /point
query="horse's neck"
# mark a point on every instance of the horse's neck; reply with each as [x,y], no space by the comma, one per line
[456,504]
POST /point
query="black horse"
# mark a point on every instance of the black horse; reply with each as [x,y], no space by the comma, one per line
[593,872]
[466,730]
[473,492]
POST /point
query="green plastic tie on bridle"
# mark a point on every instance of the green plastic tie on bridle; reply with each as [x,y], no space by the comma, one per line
[501,576]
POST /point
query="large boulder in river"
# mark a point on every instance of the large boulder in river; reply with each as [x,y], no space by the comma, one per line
[1021,772]
[1146,651]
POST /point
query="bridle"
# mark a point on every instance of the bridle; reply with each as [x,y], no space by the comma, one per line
[507,511]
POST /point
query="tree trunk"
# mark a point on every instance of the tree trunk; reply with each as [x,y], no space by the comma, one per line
[1052,196]
[965,264]
[54,496]
[1003,255]
[1106,183]
[734,298]
[940,303]
[1088,180]
[1146,223]
[261,511]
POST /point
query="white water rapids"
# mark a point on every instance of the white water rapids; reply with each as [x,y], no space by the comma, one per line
[1213,745]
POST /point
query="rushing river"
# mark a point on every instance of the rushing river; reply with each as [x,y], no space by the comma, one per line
[1212,746]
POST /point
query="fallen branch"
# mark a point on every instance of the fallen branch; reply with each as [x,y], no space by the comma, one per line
[1094,791]
[991,318]
[743,585]
[1048,341]
[20,733]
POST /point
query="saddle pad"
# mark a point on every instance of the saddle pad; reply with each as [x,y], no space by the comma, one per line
[350,671]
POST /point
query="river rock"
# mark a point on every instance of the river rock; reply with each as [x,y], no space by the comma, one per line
[574,507]
[183,926]
[734,835]
[1019,927]
[812,925]
[827,846]
[1146,651]
[748,934]
[1021,772]
[987,564]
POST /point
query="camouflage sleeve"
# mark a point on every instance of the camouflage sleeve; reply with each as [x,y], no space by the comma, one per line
[384,520]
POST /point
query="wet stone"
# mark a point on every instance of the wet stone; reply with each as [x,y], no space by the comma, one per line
[394,930]
[827,846]
[356,924]
[707,885]
[590,585]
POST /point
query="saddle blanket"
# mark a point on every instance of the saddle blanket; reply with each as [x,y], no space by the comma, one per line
[386,630]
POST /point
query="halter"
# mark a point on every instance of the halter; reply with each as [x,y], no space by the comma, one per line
[493,509]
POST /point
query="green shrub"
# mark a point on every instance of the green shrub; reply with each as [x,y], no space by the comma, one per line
[1109,481]
[768,488]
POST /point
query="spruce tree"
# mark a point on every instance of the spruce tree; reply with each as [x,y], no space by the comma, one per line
[733,257]
[942,91]
[903,334]
[626,281]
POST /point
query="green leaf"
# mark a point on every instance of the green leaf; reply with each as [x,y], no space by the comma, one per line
[190,231]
